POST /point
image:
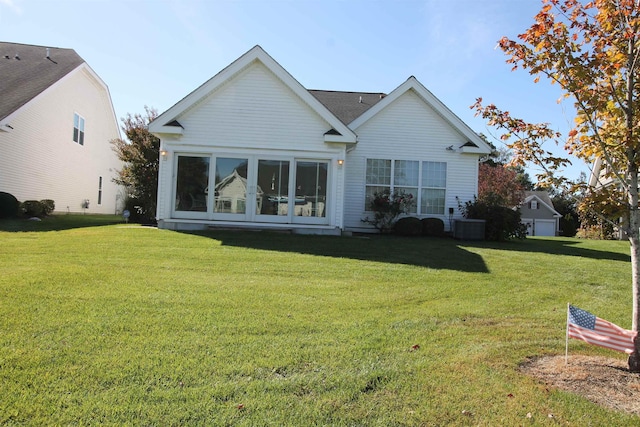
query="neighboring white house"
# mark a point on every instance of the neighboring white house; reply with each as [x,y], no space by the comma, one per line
[539,215]
[307,160]
[56,121]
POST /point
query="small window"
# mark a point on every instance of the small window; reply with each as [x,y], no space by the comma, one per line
[78,129]
[100,191]
[534,204]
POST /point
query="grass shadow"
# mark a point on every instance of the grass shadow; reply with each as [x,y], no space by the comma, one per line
[58,222]
[553,246]
[434,253]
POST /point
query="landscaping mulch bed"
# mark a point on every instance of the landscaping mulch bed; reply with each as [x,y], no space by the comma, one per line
[602,380]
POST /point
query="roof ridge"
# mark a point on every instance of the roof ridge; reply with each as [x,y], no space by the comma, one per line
[347,91]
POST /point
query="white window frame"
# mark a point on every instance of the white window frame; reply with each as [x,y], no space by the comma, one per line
[393,181]
[78,128]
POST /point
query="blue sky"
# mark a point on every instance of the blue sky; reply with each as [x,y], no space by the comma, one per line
[154,52]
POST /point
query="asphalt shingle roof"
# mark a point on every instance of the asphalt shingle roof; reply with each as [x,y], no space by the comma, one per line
[347,106]
[25,71]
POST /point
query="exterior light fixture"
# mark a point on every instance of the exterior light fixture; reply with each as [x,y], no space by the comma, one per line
[163,153]
[340,162]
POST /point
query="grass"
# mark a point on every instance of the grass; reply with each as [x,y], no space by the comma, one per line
[125,325]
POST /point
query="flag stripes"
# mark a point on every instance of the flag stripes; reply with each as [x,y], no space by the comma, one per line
[585,326]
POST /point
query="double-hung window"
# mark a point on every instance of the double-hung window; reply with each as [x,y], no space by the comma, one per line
[378,177]
[78,129]
[426,181]
[434,183]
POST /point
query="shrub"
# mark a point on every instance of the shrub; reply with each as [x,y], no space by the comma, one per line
[596,232]
[568,225]
[137,213]
[502,223]
[32,208]
[9,205]
[432,227]
[387,207]
[408,226]
[48,205]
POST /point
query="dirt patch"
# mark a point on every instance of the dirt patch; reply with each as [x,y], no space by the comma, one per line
[601,380]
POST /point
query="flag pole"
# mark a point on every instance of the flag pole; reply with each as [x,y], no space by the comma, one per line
[566,345]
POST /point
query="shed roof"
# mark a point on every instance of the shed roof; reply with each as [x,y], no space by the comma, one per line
[26,71]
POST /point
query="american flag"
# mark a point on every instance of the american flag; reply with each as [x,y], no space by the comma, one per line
[587,327]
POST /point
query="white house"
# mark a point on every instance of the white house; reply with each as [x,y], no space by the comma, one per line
[307,160]
[539,215]
[56,121]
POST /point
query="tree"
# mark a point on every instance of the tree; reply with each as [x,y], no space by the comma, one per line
[499,183]
[140,153]
[592,51]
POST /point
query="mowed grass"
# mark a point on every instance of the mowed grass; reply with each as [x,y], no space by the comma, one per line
[129,325]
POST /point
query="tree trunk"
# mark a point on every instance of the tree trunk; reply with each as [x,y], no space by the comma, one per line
[634,242]
[634,358]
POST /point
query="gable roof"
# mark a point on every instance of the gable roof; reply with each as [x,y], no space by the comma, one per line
[26,71]
[543,197]
[338,131]
[347,106]
[474,143]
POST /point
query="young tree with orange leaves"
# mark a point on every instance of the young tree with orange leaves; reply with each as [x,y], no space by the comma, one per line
[592,51]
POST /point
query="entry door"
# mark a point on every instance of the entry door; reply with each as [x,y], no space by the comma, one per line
[251,189]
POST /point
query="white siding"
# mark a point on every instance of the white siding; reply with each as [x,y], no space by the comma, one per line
[408,129]
[40,160]
[252,114]
[254,110]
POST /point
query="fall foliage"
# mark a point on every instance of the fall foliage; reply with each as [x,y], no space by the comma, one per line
[592,51]
[501,184]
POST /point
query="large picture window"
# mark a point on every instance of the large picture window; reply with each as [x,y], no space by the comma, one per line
[426,181]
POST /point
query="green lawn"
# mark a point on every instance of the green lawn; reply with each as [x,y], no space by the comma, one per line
[126,325]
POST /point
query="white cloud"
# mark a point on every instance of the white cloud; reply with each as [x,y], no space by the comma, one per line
[12,5]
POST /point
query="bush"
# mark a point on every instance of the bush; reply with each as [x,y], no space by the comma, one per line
[568,225]
[387,207]
[48,205]
[408,226]
[137,213]
[596,232]
[432,227]
[9,205]
[501,223]
[33,208]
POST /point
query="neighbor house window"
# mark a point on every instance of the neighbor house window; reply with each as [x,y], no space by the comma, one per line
[100,191]
[426,181]
[78,129]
